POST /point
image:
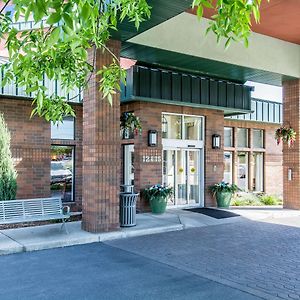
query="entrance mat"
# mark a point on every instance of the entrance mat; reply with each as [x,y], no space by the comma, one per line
[214,213]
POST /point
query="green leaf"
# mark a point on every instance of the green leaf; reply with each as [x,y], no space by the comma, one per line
[53,37]
[68,20]
[54,18]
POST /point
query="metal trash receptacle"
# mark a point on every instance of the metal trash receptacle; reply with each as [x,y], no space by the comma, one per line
[128,209]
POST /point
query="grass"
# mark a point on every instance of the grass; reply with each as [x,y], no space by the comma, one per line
[249,199]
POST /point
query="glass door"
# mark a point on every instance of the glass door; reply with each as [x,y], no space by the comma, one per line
[181,170]
[193,158]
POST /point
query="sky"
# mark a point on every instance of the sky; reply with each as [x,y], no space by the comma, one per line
[266,92]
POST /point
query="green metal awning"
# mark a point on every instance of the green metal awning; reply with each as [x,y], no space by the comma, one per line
[177,88]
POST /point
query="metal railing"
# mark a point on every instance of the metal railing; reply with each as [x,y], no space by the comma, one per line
[53,87]
[262,111]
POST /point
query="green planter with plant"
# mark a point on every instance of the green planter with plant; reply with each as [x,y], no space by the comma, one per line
[158,196]
[223,193]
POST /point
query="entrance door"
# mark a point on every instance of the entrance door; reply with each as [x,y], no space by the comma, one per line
[182,171]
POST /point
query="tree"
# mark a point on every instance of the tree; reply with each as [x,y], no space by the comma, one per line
[8,174]
[59,50]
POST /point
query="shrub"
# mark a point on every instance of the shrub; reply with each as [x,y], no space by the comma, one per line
[246,199]
[8,174]
[270,200]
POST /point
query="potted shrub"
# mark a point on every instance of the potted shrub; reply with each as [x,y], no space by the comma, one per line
[130,125]
[286,135]
[223,192]
[158,195]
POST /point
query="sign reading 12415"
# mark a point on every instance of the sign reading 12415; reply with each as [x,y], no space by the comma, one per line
[151,158]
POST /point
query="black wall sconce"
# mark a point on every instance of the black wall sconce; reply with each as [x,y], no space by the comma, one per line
[216,141]
[152,138]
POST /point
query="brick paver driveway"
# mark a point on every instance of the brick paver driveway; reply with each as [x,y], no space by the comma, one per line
[259,258]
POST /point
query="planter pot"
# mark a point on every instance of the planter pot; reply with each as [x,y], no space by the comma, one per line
[223,199]
[158,205]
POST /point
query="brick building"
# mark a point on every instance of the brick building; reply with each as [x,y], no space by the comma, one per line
[183,157]
[190,94]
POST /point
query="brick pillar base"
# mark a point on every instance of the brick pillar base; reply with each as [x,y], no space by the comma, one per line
[101,153]
[291,156]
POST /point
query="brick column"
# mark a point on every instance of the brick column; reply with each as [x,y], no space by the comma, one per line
[291,156]
[101,152]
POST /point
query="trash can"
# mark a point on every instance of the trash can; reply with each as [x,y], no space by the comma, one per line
[128,209]
[126,188]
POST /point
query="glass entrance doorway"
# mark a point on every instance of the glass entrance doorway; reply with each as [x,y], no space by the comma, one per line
[182,170]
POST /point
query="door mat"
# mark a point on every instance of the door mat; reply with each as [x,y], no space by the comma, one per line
[214,213]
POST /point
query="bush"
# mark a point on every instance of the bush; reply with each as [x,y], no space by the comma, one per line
[8,174]
[270,200]
[246,199]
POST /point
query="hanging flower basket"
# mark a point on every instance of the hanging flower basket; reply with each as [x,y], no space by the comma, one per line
[130,125]
[285,135]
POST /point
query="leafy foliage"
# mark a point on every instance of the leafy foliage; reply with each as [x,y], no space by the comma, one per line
[130,122]
[158,191]
[232,18]
[223,187]
[8,174]
[286,135]
[59,49]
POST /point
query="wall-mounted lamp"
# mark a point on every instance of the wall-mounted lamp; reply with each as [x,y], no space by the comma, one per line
[152,138]
[216,141]
[290,174]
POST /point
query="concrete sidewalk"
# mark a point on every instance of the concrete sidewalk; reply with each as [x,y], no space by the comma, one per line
[51,236]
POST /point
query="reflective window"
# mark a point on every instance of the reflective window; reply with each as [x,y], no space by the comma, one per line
[62,166]
[182,127]
[258,138]
[228,167]
[129,164]
[228,137]
[258,172]
[242,137]
[193,128]
[171,127]
[242,172]
[63,130]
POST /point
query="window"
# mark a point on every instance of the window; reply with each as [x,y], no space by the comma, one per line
[228,137]
[182,127]
[258,138]
[62,166]
[171,127]
[242,137]
[193,128]
[228,167]
[242,172]
[258,172]
[64,130]
[129,164]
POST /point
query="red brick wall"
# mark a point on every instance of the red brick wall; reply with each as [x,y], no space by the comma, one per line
[147,174]
[291,156]
[272,154]
[30,144]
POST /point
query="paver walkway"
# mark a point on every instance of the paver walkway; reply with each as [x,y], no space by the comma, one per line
[260,258]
